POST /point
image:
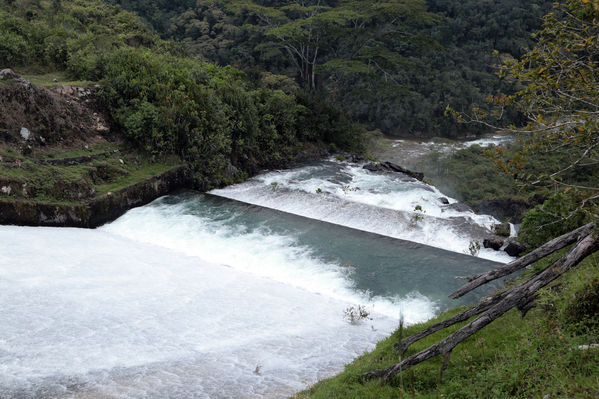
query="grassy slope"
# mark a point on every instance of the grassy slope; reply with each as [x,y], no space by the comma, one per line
[54,78]
[514,357]
[59,184]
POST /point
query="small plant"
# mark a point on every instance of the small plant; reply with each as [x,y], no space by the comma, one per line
[415,219]
[348,189]
[340,158]
[355,314]
[474,248]
[274,185]
[418,208]
[318,191]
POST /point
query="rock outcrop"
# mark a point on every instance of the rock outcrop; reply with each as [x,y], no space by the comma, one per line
[493,242]
[97,211]
[392,167]
[36,116]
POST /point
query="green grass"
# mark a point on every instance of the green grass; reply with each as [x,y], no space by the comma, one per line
[47,79]
[513,357]
[99,148]
[137,174]
[33,179]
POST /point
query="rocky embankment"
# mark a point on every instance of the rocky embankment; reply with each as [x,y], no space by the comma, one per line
[60,164]
[97,211]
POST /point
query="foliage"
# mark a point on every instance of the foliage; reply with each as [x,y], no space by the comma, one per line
[37,34]
[468,176]
[560,76]
[211,116]
[356,314]
[556,216]
[393,65]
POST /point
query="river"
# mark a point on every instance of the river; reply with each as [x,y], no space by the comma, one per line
[239,293]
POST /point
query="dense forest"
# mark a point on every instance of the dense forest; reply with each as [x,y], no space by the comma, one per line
[394,66]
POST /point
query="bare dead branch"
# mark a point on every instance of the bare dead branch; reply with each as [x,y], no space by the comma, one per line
[520,263]
[519,295]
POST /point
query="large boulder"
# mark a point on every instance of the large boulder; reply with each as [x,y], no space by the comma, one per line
[230,171]
[392,167]
[493,242]
[514,248]
[25,133]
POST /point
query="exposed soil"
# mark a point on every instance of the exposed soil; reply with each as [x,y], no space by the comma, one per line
[62,116]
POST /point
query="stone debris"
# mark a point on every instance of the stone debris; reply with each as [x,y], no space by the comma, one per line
[25,133]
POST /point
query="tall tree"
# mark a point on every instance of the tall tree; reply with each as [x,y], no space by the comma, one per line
[347,36]
[560,98]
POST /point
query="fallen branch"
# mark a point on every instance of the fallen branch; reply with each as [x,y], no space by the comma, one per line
[520,263]
[482,307]
[517,296]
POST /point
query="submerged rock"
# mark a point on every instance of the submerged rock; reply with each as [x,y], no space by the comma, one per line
[443,200]
[373,167]
[397,168]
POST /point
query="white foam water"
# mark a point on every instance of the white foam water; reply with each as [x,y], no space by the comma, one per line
[390,204]
[162,304]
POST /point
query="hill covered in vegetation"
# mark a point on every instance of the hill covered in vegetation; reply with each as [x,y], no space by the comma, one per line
[165,103]
[394,65]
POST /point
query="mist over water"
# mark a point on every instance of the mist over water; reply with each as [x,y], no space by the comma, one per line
[201,296]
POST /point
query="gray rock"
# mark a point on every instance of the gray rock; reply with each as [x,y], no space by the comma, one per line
[25,133]
[230,171]
[493,242]
[390,166]
[459,207]
[373,167]
[514,248]
[443,200]
[8,73]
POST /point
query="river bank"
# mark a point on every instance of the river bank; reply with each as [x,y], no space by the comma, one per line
[546,354]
